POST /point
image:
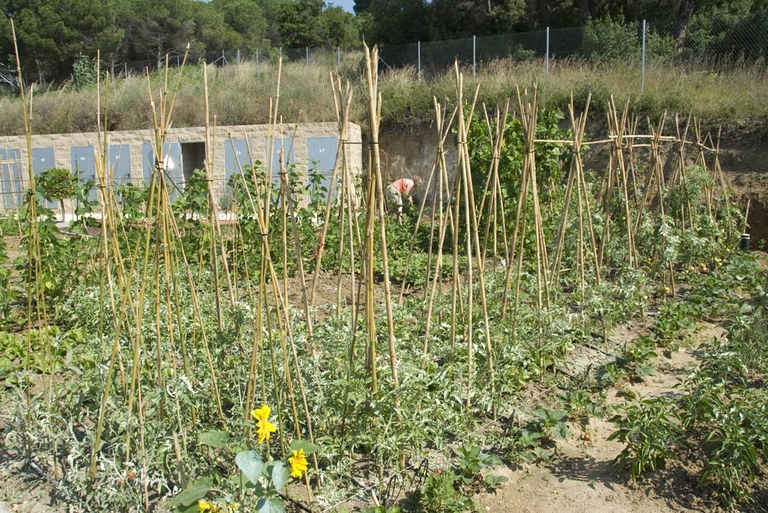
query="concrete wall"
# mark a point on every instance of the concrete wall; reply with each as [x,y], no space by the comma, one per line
[186,148]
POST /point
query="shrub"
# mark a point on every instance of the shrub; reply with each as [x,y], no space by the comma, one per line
[57,184]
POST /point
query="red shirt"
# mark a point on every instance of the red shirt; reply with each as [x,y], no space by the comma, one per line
[403,185]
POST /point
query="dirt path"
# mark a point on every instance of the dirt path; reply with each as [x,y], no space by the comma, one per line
[22,492]
[582,477]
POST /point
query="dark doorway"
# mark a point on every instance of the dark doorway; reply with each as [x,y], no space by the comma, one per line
[192,157]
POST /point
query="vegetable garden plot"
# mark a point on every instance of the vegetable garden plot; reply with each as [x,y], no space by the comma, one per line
[160,362]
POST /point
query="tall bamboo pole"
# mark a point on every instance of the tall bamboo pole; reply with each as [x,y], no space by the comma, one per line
[444,213]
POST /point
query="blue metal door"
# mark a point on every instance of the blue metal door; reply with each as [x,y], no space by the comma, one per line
[119,163]
[321,153]
[84,165]
[174,171]
[284,145]
[42,160]
[11,184]
[236,157]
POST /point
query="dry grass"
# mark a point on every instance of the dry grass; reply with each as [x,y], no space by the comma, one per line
[240,94]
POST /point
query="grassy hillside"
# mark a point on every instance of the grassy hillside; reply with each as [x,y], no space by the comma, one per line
[240,94]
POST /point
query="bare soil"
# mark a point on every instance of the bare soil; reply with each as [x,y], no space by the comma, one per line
[582,477]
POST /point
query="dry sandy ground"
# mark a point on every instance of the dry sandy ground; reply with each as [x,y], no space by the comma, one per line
[583,477]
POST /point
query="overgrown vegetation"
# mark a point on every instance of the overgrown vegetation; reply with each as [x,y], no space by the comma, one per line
[735,96]
[164,355]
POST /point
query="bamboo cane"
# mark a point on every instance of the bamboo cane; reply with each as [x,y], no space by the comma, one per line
[444,214]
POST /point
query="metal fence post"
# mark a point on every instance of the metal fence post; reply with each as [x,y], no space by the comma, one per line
[238,55]
[547,57]
[642,65]
[474,55]
[338,59]
[257,61]
[418,59]
[306,51]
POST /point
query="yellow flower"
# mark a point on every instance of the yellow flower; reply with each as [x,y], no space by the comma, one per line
[298,463]
[204,505]
[261,413]
[265,427]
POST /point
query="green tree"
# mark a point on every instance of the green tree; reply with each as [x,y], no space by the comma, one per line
[465,18]
[361,6]
[298,22]
[212,33]
[156,27]
[247,19]
[397,22]
[52,34]
[339,28]
[84,72]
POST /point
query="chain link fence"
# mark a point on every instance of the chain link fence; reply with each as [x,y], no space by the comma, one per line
[708,43]
[717,42]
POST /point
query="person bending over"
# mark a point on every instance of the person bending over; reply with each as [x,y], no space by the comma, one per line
[399,191]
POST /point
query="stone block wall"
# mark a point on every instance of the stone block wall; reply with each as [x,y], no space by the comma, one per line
[131,154]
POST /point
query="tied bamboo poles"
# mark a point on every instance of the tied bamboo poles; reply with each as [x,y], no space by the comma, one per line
[616,178]
[657,168]
[268,277]
[422,205]
[576,180]
[654,185]
[213,214]
[465,196]
[717,178]
[528,182]
[34,284]
[289,212]
[348,207]
[444,216]
[160,220]
[679,176]
[342,98]
[496,201]
[376,208]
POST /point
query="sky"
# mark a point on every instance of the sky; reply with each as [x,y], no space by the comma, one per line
[347,5]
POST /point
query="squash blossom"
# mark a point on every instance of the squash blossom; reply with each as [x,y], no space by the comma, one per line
[298,463]
[265,427]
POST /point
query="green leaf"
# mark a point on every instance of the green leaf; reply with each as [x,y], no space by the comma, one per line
[280,474]
[645,370]
[270,506]
[251,465]
[191,493]
[308,447]
[214,438]
[494,480]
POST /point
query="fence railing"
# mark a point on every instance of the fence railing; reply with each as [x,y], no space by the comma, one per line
[634,43]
